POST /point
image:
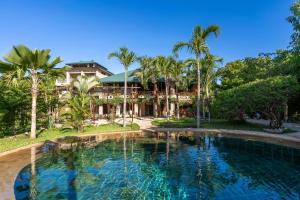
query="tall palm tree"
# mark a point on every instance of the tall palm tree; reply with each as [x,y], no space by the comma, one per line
[178,74]
[209,79]
[126,58]
[165,64]
[143,72]
[32,64]
[197,45]
[149,72]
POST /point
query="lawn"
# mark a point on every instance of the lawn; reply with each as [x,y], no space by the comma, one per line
[214,124]
[9,143]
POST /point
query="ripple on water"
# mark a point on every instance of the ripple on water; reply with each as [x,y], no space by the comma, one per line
[190,168]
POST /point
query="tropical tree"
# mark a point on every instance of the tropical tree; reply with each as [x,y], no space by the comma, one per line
[49,92]
[126,58]
[294,20]
[150,72]
[209,80]
[164,64]
[22,62]
[79,101]
[197,45]
[178,74]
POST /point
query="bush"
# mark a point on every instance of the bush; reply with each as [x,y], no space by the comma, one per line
[267,96]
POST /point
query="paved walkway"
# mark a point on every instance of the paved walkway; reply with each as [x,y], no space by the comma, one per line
[143,122]
[293,126]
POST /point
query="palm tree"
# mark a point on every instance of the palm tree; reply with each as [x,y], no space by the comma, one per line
[178,77]
[209,79]
[197,45]
[85,84]
[126,58]
[80,101]
[164,65]
[149,72]
[33,64]
[49,90]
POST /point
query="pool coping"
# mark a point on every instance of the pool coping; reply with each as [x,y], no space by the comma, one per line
[274,138]
[278,139]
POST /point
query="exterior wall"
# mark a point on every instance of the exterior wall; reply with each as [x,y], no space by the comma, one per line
[116,90]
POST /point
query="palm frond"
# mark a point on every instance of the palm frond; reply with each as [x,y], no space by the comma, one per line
[213,29]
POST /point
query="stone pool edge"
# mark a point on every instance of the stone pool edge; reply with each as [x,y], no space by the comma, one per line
[274,138]
[278,139]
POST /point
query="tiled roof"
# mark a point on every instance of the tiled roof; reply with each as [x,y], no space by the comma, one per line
[89,62]
[119,78]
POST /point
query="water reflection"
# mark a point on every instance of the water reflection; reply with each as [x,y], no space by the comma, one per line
[168,166]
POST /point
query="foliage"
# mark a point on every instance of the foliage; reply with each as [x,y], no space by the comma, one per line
[24,63]
[268,96]
[126,58]
[149,72]
[14,108]
[264,66]
[80,101]
[197,45]
[294,19]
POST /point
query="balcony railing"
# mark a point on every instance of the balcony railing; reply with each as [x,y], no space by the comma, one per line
[144,94]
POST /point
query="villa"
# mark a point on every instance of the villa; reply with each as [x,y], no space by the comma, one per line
[140,100]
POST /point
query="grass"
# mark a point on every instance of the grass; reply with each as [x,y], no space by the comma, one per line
[9,143]
[214,124]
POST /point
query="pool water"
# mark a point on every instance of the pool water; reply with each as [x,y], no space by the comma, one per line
[203,167]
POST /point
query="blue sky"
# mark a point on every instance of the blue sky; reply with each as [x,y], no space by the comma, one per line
[91,29]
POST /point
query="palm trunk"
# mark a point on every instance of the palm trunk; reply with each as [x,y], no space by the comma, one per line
[198,92]
[167,97]
[34,91]
[286,112]
[156,100]
[177,104]
[203,107]
[125,94]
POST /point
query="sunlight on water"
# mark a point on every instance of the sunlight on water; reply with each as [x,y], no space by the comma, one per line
[150,168]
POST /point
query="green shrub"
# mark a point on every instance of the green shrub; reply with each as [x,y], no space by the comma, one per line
[268,96]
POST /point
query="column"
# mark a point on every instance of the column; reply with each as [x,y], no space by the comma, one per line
[172,109]
[136,109]
[118,110]
[68,77]
[143,111]
[100,111]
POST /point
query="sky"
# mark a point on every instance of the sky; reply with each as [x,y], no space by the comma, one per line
[80,30]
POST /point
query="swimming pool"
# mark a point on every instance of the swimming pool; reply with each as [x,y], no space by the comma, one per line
[187,167]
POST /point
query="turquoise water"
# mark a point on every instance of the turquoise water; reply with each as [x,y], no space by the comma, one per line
[150,168]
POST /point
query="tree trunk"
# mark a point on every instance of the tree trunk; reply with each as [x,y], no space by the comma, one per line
[34,91]
[156,100]
[167,97]
[198,92]
[203,107]
[286,112]
[177,104]
[125,94]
